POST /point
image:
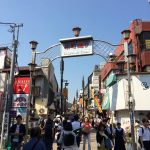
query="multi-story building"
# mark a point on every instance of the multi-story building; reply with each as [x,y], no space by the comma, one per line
[114,75]
[44,88]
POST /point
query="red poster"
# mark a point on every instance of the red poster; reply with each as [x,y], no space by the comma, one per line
[21,85]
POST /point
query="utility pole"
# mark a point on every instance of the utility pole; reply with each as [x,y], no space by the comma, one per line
[61,83]
[11,77]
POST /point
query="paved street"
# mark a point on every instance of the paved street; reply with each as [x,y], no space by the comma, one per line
[93,143]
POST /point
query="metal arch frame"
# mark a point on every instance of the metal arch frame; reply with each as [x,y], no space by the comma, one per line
[48,48]
[61,66]
[107,43]
[49,62]
[100,56]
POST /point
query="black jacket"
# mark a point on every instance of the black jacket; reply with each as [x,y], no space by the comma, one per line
[21,130]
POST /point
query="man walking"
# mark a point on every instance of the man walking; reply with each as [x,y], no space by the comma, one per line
[144,135]
[49,133]
[17,132]
[76,125]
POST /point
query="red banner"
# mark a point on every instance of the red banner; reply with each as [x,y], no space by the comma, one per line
[21,85]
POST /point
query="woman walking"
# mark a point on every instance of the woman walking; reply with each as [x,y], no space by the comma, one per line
[100,137]
[119,138]
[86,129]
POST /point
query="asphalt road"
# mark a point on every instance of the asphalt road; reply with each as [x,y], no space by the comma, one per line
[93,143]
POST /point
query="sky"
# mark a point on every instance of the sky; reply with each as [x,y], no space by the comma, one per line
[48,21]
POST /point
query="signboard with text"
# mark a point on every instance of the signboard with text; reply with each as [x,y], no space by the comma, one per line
[21,85]
[78,46]
[20,100]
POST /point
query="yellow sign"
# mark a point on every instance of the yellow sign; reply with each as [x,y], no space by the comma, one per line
[147,42]
[98,104]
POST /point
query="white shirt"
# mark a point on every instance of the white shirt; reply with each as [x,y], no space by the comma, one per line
[76,125]
[146,134]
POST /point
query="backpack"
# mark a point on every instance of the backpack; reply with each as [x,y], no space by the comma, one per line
[68,139]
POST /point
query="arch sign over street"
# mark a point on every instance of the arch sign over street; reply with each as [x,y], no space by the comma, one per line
[76,46]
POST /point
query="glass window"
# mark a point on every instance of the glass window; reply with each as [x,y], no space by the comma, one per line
[130,48]
[145,40]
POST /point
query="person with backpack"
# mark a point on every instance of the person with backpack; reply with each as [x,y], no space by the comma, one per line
[68,138]
[119,138]
[35,143]
[144,135]
[76,125]
[49,133]
[86,129]
[108,130]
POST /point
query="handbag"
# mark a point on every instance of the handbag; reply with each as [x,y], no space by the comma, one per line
[108,143]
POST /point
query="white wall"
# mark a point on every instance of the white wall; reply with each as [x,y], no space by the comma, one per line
[140,93]
[118,93]
[3,81]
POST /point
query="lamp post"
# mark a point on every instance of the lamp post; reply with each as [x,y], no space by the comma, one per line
[65,94]
[32,66]
[61,83]
[126,36]
[83,94]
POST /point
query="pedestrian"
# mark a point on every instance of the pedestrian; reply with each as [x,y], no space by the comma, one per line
[119,138]
[17,132]
[36,142]
[86,129]
[144,135]
[57,130]
[76,125]
[49,133]
[42,126]
[100,137]
[108,130]
[68,138]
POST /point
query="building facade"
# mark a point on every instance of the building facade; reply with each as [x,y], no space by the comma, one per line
[114,75]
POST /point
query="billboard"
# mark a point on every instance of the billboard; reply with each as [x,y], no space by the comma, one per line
[20,100]
[21,85]
[78,46]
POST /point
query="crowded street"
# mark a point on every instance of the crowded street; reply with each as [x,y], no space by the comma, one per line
[75,75]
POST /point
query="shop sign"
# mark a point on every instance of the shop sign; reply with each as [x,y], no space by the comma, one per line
[21,85]
[78,46]
[106,102]
[20,100]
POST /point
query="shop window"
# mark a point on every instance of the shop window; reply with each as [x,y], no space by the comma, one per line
[145,40]
[130,48]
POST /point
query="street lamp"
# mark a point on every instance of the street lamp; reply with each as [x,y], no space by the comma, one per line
[76,31]
[32,66]
[33,45]
[126,36]
[65,95]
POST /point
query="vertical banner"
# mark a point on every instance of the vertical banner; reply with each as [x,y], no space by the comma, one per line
[97,104]
[21,90]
